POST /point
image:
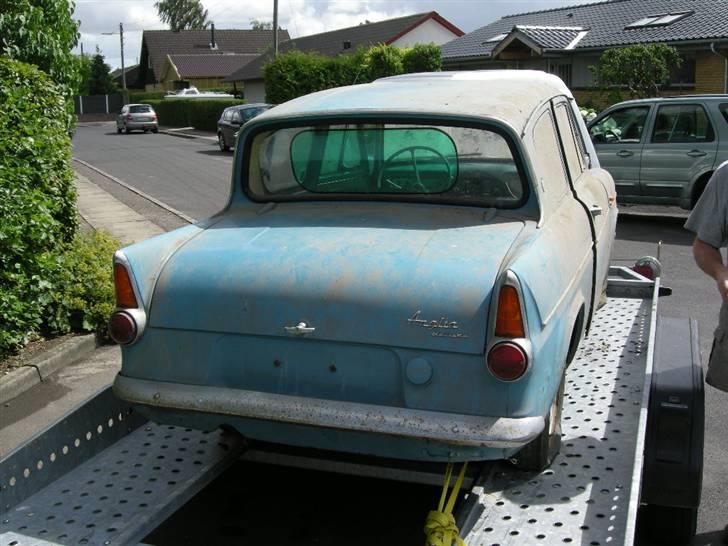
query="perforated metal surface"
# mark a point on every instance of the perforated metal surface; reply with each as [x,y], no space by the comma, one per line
[120,495]
[584,497]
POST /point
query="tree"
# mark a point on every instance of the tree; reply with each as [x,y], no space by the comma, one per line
[642,69]
[257,24]
[100,81]
[182,14]
[422,58]
[43,33]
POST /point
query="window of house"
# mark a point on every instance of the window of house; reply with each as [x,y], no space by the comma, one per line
[563,71]
[680,123]
[659,20]
[684,75]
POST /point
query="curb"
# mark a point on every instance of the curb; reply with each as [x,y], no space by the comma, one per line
[45,364]
[186,135]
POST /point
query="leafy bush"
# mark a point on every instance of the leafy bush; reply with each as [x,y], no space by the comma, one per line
[295,73]
[641,69]
[83,294]
[37,196]
[201,114]
[382,61]
[136,96]
[422,58]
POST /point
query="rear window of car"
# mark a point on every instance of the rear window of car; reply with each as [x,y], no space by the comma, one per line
[140,109]
[445,164]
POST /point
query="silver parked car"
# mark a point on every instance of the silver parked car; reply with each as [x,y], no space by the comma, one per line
[140,117]
[662,150]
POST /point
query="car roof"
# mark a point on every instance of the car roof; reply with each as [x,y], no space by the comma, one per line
[138,104]
[510,96]
[676,98]
[248,105]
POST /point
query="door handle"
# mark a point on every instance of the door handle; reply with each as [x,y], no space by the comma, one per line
[697,153]
[300,329]
[625,153]
[595,210]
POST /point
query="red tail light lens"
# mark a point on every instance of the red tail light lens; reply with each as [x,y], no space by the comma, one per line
[128,116]
[509,320]
[122,328]
[507,361]
[122,285]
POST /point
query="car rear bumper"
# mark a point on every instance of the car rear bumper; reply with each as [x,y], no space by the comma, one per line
[448,428]
[141,125]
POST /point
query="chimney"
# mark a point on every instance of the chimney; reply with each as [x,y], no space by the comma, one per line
[347,44]
[213,45]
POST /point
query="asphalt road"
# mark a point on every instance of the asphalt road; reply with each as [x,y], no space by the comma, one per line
[193,177]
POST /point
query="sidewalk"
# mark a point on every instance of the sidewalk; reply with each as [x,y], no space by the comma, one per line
[38,407]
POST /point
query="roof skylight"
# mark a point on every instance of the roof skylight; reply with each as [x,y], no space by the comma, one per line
[497,38]
[659,20]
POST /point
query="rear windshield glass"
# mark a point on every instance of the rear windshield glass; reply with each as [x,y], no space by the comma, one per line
[140,109]
[431,163]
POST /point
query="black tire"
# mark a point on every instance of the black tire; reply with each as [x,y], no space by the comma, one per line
[118,130]
[221,142]
[698,189]
[146,130]
[127,130]
[541,451]
[155,130]
[667,524]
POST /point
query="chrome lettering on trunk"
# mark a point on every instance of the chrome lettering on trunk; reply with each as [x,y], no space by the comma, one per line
[439,327]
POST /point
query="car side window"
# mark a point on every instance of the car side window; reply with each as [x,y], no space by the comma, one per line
[568,139]
[724,110]
[621,126]
[681,123]
[549,167]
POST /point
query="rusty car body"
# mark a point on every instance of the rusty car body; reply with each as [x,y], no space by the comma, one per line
[403,269]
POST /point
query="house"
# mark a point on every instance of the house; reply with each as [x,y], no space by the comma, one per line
[158,45]
[201,71]
[131,73]
[421,28]
[566,41]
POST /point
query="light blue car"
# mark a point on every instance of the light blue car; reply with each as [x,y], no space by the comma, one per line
[404,269]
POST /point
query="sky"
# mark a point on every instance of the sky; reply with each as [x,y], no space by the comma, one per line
[299,17]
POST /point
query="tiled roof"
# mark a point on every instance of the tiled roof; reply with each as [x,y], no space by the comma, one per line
[161,43]
[211,65]
[332,43]
[550,37]
[606,22]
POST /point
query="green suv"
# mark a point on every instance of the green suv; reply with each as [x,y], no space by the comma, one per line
[662,150]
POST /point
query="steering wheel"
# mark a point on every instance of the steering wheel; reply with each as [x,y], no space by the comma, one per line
[611,132]
[411,150]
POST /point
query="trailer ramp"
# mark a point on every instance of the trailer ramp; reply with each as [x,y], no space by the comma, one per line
[590,494]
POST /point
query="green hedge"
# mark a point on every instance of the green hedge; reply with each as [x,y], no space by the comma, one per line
[295,73]
[136,96]
[37,196]
[201,114]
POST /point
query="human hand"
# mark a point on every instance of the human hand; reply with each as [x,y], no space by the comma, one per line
[721,281]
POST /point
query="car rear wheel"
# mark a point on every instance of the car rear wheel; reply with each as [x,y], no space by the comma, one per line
[541,451]
[127,130]
[118,130]
[155,130]
[221,143]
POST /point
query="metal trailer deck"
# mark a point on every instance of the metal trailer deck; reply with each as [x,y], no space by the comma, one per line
[104,476]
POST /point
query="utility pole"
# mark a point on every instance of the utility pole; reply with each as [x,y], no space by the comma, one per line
[123,72]
[275,28]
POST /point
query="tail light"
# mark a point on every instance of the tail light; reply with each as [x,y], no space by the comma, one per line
[128,320]
[129,117]
[649,267]
[507,361]
[122,327]
[154,117]
[125,297]
[509,319]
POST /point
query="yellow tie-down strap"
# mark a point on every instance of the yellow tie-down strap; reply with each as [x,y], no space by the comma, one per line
[440,528]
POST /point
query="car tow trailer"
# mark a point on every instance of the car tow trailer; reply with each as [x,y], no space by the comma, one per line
[632,433]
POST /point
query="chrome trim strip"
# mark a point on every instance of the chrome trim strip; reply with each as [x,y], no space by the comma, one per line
[459,429]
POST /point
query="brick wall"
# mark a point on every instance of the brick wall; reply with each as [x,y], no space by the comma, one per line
[709,73]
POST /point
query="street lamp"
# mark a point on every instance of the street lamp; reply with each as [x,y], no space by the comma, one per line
[121,39]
